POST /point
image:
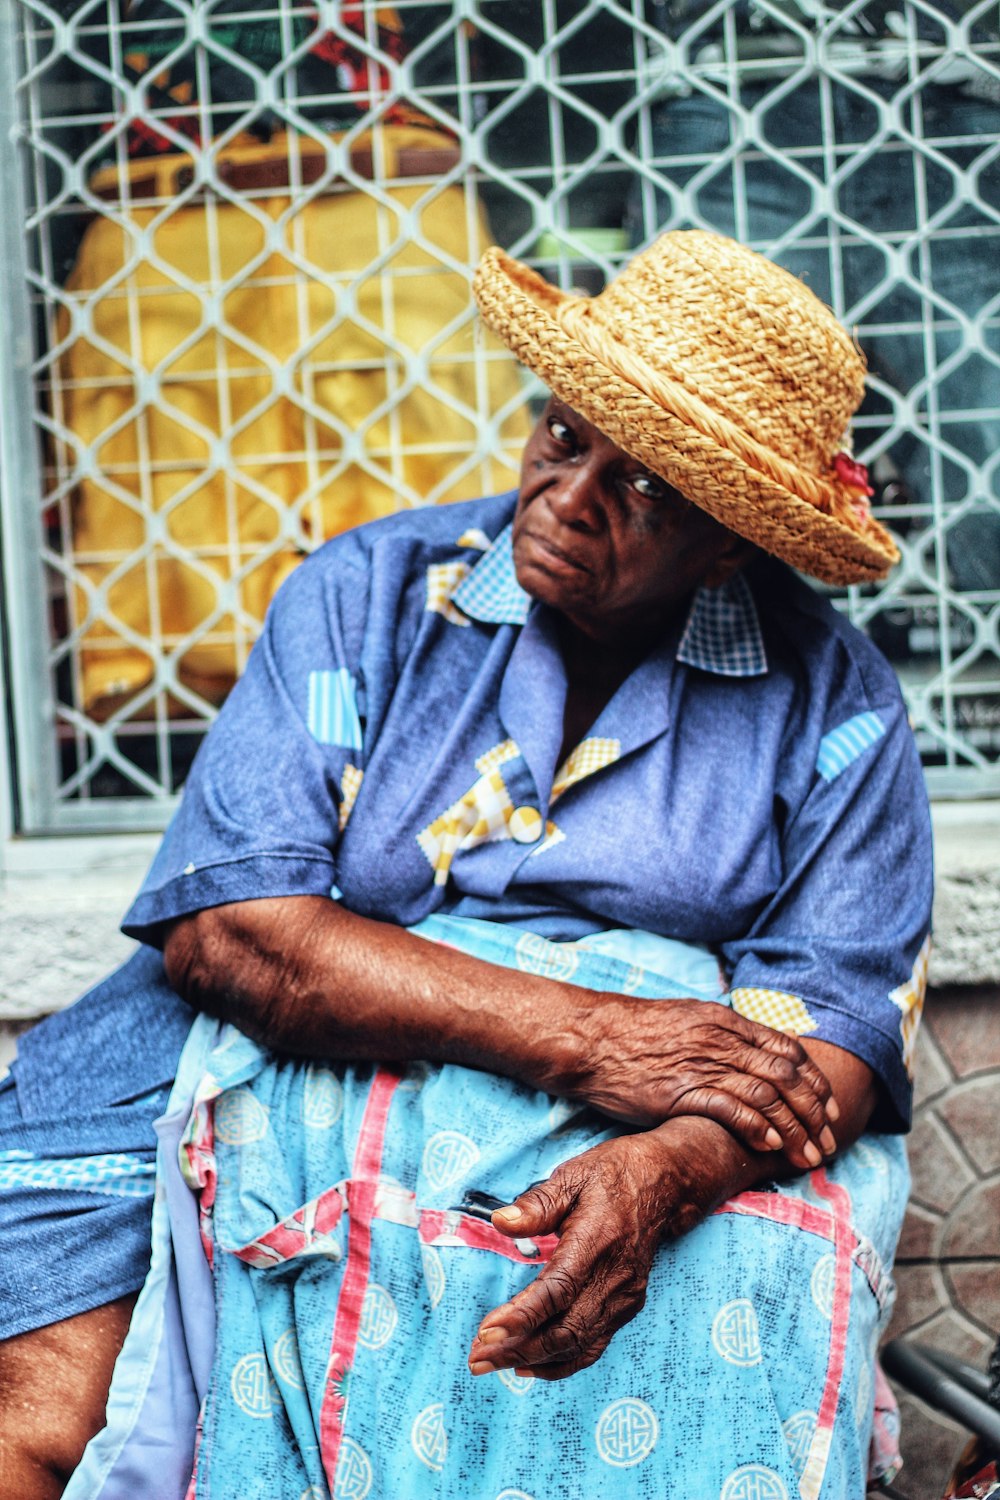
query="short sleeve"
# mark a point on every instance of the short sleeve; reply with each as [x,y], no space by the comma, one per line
[262,808]
[840,952]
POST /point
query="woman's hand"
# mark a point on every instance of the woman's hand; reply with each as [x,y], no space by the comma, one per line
[611,1207]
[305,976]
[650,1061]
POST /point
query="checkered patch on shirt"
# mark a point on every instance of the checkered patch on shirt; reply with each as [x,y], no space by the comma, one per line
[442,581]
[350,786]
[478,817]
[909,998]
[118,1174]
[773,1008]
[589,756]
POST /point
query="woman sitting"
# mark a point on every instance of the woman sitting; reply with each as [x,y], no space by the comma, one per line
[559,876]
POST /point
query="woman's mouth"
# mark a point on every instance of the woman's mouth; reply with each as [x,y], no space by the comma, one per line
[552,556]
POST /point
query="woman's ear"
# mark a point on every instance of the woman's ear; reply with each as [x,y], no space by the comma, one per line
[735,553]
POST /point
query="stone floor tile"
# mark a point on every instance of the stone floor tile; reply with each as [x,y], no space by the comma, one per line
[965,1023]
[939,1170]
[974,1287]
[930,1444]
[931,1072]
[947,1330]
[973,1227]
[921,1234]
[970,1110]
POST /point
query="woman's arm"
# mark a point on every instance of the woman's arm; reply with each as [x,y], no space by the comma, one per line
[612,1207]
[305,976]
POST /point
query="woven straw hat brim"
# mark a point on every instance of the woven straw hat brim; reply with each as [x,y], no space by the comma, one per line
[519,306]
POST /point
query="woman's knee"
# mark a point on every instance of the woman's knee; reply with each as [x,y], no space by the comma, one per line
[54,1384]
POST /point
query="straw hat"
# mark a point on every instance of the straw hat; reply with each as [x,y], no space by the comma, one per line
[721,372]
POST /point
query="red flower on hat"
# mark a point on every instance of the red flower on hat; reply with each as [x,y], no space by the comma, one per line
[852,474]
[854,477]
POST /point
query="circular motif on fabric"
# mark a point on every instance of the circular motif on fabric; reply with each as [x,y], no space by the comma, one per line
[285,1359]
[378,1317]
[871,1158]
[433,1273]
[322,1098]
[519,1384]
[353,1478]
[821,1284]
[526,825]
[627,1432]
[753,1482]
[448,1155]
[253,1389]
[863,1398]
[428,1437]
[798,1430]
[536,955]
[736,1333]
[240,1118]
[513,1495]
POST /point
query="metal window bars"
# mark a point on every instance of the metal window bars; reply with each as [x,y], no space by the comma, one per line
[235,280]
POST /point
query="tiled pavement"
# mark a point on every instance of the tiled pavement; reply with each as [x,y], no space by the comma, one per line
[948,1265]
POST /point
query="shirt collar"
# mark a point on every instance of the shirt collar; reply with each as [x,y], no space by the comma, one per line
[722,633]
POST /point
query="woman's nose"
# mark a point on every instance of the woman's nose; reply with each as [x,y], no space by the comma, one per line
[575,496]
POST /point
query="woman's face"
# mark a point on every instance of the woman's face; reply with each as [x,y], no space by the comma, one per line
[604,540]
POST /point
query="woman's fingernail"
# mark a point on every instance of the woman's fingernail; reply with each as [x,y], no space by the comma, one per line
[827,1141]
[772,1139]
[481,1367]
[492,1335]
[509,1215]
[832,1109]
[811,1154]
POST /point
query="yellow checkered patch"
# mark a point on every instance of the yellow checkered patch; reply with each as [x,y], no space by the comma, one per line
[350,786]
[442,581]
[474,538]
[553,835]
[909,997]
[482,814]
[589,756]
[498,756]
[774,1008]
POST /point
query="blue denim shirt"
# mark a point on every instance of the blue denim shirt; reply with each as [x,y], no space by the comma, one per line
[753,785]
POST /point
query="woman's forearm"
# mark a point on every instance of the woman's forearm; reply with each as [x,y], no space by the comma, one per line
[307,977]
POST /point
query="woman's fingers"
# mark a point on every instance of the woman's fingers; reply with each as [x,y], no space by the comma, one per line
[596,1278]
[750,1111]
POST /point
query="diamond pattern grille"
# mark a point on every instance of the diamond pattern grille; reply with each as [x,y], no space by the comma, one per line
[250,227]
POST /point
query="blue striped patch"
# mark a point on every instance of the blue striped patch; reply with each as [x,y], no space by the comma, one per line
[845,743]
[333,709]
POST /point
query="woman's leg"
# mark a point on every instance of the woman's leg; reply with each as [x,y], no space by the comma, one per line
[53,1390]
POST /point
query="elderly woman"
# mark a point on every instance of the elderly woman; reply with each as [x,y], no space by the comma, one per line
[554,885]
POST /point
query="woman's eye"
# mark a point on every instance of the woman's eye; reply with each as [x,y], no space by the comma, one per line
[560,431]
[649,487]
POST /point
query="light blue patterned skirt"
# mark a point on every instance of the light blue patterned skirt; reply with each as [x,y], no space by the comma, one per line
[351,1261]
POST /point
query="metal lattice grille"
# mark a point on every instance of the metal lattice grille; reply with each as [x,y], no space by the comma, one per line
[244,288]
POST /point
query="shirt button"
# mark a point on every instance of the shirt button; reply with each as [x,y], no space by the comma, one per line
[526,825]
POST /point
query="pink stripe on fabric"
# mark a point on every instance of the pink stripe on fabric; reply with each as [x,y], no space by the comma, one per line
[844,1241]
[297,1234]
[793,1211]
[445,1226]
[361,1192]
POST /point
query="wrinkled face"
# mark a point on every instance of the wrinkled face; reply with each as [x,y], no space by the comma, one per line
[601,538]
